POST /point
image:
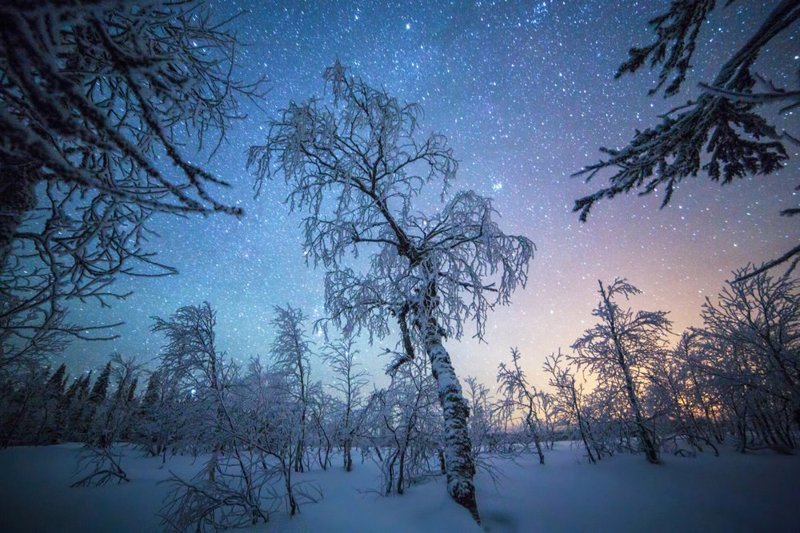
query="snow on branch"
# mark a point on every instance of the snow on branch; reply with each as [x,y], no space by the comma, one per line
[356,164]
[725,121]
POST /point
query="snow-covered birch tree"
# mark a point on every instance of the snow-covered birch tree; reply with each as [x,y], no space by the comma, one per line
[410,420]
[290,351]
[759,317]
[356,165]
[569,398]
[349,380]
[227,491]
[191,360]
[519,395]
[483,419]
[616,350]
[728,120]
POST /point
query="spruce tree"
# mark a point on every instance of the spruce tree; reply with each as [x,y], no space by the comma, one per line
[56,382]
[78,407]
[100,388]
[53,413]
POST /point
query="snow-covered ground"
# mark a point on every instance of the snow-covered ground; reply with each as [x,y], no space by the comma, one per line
[733,492]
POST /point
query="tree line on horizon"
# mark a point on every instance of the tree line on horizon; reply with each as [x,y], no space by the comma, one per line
[731,383]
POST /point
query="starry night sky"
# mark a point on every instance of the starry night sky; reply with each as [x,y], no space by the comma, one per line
[525,93]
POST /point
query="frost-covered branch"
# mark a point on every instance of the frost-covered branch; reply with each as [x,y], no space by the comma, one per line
[97,101]
[725,121]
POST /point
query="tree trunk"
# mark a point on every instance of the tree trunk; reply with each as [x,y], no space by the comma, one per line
[298,455]
[401,474]
[301,444]
[458,449]
[538,442]
[348,439]
[581,427]
[649,446]
[390,473]
[348,455]
[287,478]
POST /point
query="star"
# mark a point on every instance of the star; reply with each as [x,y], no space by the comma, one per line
[526,95]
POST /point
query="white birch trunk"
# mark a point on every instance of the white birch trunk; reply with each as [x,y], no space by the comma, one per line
[459,466]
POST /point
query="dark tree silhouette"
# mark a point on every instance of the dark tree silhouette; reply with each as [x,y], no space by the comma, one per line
[759,319]
[726,120]
[97,100]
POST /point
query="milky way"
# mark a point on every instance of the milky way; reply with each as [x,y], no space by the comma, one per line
[525,94]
